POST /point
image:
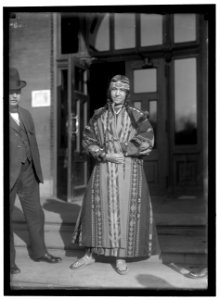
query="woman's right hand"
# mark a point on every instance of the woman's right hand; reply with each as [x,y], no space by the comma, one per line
[117,158]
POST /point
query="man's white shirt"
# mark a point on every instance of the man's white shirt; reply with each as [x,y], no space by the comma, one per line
[15,116]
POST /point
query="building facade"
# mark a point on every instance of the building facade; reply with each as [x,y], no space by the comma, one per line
[68,57]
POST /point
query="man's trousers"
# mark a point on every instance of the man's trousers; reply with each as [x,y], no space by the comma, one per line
[27,189]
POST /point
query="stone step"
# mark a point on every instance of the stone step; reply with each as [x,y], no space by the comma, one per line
[181,226]
[185,245]
[189,259]
[176,212]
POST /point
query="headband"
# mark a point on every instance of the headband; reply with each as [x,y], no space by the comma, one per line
[121,81]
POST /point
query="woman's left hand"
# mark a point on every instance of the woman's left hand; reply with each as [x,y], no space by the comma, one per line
[145,148]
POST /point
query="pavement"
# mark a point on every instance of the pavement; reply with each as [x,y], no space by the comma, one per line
[143,274]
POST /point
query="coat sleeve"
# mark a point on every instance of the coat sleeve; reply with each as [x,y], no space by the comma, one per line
[142,142]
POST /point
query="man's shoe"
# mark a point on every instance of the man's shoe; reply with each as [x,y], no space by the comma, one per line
[14,269]
[47,257]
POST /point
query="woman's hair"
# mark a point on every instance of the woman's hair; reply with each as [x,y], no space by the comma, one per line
[124,79]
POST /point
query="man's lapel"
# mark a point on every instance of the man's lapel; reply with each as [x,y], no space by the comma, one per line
[23,118]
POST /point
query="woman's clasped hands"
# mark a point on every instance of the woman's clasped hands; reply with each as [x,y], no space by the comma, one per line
[117,158]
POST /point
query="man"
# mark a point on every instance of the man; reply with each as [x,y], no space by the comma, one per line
[25,175]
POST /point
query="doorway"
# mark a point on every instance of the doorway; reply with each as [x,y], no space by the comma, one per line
[80,92]
[148,93]
[100,76]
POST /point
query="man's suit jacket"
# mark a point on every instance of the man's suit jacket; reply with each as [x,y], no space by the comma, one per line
[15,151]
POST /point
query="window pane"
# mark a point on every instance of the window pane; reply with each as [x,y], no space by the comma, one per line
[63,106]
[151,37]
[102,42]
[145,81]
[184,28]
[185,101]
[124,31]
[153,118]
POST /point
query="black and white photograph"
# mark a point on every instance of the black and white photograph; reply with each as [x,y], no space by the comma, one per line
[109,150]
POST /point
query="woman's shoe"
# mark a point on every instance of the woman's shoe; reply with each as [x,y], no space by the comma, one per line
[82,262]
[121,267]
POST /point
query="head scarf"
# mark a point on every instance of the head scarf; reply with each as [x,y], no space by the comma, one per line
[123,82]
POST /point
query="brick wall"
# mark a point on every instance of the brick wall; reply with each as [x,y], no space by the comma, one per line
[30,53]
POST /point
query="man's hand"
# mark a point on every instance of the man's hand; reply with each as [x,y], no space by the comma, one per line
[117,158]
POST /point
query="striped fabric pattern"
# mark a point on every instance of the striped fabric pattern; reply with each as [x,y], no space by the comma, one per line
[116,218]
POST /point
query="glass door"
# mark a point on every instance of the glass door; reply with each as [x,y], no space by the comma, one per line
[72,116]
[148,92]
[78,111]
[185,130]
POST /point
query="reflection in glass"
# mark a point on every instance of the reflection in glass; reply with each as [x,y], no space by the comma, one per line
[102,42]
[184,28]
[124,31]
[145,81]
[153,118]
[151,37]
[78,124]
[62,135]
[63,110]
[185,81]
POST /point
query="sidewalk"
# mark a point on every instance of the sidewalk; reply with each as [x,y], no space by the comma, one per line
[147,274]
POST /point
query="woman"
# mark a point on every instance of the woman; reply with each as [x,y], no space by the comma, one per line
[116,217]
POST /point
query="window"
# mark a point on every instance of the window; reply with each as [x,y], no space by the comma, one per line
[153,118]
[124,31]
[185,82]
[102,42]
[151,29]
[184,28]
[145,81]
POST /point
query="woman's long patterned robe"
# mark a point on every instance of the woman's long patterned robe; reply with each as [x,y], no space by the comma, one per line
[116,218]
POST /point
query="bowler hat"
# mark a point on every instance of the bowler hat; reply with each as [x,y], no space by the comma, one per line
[14,80]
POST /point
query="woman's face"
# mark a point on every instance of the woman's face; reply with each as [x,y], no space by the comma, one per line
[118,92]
